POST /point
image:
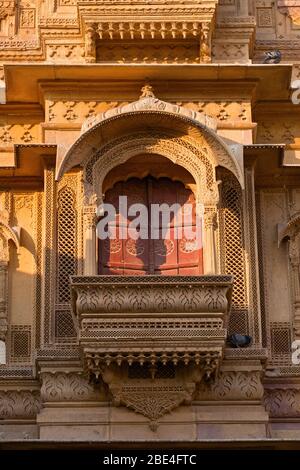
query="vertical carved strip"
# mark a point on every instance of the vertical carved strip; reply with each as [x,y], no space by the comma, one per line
[49,259]
[210,255]
[205,43]
[90,43]
[252,244]
[38,283]
[233,249]
[265,322]
[90,241]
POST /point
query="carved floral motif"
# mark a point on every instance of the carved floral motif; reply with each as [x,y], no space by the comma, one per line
[233,385]
[173,298]
[153,401]
[27,18]
[283,401]
[19,404]
[62,386]
[15,133]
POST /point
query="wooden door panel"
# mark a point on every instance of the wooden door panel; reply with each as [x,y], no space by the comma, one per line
[136,253]
[167,256]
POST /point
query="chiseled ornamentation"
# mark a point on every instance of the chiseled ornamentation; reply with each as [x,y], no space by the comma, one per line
[199,154]
[19,404]
[283,401]
[153,401]
[233,385]
[179,322]
[63,386]
[7,8]
[178,298]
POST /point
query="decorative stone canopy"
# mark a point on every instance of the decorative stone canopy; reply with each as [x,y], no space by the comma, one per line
[148,115]
[173,328]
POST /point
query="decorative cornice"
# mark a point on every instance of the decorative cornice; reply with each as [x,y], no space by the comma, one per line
[150,30]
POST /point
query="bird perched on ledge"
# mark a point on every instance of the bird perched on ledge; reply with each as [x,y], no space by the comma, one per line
[239,341]
[272,57]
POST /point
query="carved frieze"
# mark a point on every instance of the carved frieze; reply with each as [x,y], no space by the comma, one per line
[200,294]
[78,111]
[283,401]
[18,133]
[63,52]
[63,386]
[284,131]
[233,385]
[21,404]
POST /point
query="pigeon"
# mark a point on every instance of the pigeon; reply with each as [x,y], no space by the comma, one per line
[272,57]
[239,341]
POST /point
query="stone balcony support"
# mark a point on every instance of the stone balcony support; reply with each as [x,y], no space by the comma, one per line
[132,330]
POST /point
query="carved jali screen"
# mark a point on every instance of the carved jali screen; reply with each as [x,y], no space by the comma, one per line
[167,252]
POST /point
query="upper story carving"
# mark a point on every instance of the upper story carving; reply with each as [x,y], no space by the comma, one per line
[144,31]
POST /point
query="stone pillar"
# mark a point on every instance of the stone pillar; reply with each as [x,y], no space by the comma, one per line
[209,241]
[90,240]
[90,43]
[205,43]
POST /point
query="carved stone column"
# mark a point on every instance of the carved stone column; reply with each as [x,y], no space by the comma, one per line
[205,43]
[209,242]
[210,200]
[90,240]
[90,43]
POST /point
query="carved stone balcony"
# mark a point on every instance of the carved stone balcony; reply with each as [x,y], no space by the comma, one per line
[149,22]
[153,337]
